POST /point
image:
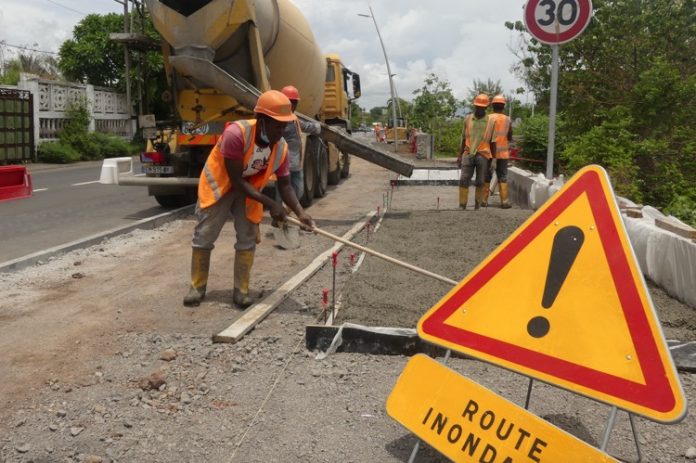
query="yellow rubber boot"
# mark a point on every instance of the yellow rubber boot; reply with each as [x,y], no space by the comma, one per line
[200,266]
[504,202]
[478,198]
[463,196]
[486,193]
[243,260]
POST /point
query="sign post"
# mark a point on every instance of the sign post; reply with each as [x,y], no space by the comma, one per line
[555,22]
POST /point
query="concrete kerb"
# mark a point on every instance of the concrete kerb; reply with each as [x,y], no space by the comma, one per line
[144,224]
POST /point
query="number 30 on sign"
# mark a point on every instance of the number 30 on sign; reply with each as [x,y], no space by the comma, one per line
[557,21]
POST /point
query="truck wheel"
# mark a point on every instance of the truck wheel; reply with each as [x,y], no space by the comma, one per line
[322,170]
[345,168]
[309,168]
[335,175]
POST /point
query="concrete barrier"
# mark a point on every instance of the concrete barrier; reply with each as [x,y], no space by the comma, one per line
[111,168]
[15,183]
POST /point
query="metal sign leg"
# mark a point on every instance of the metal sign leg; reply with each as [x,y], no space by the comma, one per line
[529,394]
[416,447]
[635,437]
[607,431]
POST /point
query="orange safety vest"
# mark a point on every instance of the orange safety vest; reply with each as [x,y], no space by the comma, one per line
[500,135]
[215,183]
[484,147]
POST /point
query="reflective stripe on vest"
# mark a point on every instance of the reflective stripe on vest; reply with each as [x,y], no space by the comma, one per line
[215,183]
[484,146]
[500,134]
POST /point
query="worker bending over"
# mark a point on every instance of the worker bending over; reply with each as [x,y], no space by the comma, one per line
[292,136]
[475,151]
[502,136]
[236,171]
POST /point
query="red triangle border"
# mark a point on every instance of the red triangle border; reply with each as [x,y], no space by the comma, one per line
[656,394]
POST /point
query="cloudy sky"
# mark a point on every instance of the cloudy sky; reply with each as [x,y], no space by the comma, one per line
[459,40]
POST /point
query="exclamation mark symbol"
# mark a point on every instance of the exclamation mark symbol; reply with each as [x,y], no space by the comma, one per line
[566,246]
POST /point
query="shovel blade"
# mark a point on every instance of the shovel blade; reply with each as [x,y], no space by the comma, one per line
[287,237]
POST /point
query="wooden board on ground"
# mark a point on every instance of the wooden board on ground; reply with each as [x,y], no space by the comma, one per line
[257,312]
[678,228]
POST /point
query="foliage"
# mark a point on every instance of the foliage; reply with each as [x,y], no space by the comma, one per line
[91,56]
[448,137]
[630,75]
[489,87]
[433,110]
[57,152]
[44,66]
[76,143]
[378,114]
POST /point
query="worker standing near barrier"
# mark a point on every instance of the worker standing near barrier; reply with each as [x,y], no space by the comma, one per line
[502,136]
[292,136]
[236,171]
[475,151]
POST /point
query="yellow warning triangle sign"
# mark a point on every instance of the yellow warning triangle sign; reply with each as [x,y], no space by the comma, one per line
[563,300]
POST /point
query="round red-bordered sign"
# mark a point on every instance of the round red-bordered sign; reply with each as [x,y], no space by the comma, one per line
[557,21]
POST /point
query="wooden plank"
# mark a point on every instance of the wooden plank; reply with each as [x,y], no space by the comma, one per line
[682,230]
[364,151]
[257,312]
[633,213]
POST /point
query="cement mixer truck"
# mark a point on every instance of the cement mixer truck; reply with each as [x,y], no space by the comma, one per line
[219,56]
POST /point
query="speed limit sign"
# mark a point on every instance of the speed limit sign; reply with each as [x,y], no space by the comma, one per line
[557,21]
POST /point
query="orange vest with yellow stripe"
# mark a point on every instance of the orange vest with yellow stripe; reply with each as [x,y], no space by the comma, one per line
[501,129]
[484,146]
[215,183]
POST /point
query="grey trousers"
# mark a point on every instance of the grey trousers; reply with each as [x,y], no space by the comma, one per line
[209,223]
[470,164]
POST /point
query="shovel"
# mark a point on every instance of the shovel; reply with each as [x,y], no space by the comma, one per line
[286,237]
[400,263]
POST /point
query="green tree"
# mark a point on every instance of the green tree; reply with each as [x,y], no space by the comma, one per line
[631,75]
[378,114]
[42,65]
[91,56]
[489,87]
[433,112]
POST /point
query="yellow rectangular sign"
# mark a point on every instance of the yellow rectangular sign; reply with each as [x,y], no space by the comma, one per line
[468,423]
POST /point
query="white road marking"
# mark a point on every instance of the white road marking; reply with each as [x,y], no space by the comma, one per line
[85,183]
[39,189]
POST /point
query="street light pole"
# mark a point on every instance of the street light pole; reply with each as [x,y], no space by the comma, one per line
[389,73]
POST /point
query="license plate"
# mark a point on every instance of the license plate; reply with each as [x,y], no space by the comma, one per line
[158,170]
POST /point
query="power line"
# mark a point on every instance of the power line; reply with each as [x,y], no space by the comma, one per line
[67,7]
[3,43]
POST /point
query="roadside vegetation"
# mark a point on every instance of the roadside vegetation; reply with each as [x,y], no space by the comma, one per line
[76,143]
[627,98]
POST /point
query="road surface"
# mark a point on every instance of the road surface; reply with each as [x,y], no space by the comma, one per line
[68,203]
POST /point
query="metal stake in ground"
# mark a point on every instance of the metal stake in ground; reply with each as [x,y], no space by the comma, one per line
[334,262]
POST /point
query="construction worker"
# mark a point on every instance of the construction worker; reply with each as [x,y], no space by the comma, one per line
[291,134]
[475,151]
[236,171]
[502,135]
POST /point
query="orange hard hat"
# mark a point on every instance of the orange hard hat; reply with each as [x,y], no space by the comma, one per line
[276,105]
[481,100]
[499,99]
[291,92]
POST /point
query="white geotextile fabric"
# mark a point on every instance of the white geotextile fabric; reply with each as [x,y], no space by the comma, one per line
[666,258]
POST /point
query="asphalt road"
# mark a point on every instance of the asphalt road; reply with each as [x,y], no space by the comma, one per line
[68,204]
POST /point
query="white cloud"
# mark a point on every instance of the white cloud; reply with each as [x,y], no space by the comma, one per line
[459,40]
